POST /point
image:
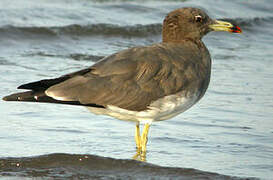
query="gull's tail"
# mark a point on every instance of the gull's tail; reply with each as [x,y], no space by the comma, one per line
[36,91]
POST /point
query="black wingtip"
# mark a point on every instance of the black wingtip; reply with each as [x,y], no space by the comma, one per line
[21,87]
[26,86]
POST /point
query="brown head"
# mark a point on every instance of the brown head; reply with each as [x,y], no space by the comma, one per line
[193,24]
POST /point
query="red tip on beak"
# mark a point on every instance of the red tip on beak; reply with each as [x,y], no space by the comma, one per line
[235,29]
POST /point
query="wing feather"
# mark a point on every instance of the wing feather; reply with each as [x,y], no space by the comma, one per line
[132,79]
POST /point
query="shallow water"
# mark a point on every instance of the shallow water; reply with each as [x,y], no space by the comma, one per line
[230,131]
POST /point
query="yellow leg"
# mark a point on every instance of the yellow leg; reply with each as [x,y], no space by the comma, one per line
[141,142]
[144,138]
[137,137]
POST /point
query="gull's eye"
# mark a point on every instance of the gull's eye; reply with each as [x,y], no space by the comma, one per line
[198,18]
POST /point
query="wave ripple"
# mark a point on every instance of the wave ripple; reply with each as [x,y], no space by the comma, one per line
[93,29]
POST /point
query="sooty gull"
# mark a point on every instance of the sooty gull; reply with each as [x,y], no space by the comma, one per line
[141,84]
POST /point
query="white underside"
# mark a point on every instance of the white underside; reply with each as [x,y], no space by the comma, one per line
[162,109]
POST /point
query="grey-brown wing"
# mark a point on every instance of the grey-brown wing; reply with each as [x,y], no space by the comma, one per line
[131,79]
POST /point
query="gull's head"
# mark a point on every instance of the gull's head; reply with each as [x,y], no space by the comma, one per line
[192,23]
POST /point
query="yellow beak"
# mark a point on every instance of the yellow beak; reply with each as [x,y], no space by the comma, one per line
[225,26]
